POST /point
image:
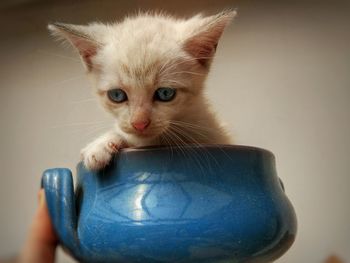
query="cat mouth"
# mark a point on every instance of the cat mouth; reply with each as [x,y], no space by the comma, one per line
[149,133]
[144,134]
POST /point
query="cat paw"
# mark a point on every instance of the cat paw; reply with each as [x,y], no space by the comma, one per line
[97,155]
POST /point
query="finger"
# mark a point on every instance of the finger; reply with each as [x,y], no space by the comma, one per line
[42,241]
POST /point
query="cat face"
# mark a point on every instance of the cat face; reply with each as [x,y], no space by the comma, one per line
[148,71]
[157,78]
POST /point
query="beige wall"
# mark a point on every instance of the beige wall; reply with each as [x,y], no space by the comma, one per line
[281,81]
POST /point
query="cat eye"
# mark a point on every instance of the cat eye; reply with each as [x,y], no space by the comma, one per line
[165,94]
[117,95]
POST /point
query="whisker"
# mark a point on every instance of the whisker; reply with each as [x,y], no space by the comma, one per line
[178,144]
[79,124]
[168,143]
[65,80]
[176,82]
[82,101]
[184,72]
[201,127]
[178,137]
[192,130]
[45,52]
[188,123]
[41,51]
[196,142]
[175,63]
[94,131]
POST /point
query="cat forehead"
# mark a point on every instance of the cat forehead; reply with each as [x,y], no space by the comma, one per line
[136,53]
[145,25]
[146,36]
[151,33]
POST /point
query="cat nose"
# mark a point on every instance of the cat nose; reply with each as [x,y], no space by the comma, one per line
[141,125]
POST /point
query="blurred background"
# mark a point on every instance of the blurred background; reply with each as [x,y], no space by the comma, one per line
[280,80]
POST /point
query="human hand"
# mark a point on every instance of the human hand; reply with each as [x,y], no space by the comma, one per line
[41,243]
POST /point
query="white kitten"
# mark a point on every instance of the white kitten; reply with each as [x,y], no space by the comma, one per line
[148,71]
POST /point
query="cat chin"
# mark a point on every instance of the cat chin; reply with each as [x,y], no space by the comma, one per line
[139,140]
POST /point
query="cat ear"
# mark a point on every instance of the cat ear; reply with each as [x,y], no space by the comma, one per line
[81,37]
[204,39]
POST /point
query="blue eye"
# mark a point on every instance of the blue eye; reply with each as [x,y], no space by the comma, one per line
[117,95]
[165,94]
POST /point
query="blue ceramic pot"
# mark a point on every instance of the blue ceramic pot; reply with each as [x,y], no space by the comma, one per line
[189,204]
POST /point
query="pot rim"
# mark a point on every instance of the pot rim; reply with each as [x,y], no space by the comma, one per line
[236,147]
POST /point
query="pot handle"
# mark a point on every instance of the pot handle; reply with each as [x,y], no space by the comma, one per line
[59,192]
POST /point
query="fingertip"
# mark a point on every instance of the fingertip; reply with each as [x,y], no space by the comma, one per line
[42,200]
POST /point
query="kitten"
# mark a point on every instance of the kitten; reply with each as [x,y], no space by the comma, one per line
[148,71]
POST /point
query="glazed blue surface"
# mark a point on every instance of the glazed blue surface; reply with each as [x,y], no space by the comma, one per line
[207,204]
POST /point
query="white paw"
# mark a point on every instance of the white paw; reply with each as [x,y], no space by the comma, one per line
[98,154]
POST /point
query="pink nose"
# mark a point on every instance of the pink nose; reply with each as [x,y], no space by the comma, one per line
[141,125]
